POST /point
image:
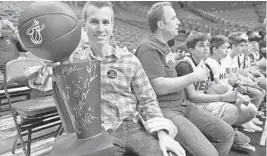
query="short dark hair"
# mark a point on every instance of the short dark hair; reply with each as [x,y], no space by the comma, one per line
[254,39]
[193,38]
[262,32]
[155,14]
[249,32]
[235,38]
[217,41]
[262,44]
[97,4]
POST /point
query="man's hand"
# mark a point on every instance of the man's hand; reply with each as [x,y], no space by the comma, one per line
[44,73]
[7,23]
[243,98]
[229,96]
[168,145]
[201,72]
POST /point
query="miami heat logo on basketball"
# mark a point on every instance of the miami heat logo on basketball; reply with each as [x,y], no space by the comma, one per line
[35,32]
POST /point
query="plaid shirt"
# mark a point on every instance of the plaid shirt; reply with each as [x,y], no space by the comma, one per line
[126,93]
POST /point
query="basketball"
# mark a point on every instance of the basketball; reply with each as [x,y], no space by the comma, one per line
[217,89]
[49,30]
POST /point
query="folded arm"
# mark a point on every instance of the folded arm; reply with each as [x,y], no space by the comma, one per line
[149,110]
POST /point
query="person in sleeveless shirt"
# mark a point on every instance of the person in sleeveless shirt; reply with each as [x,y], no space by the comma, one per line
[199,48]
[238,43]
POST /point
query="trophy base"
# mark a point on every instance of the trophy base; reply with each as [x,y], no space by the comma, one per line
[69,145]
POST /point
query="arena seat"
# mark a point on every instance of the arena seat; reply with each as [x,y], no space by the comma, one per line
[261,11]
[17,92]
[2,14]
[17,9]
[3,6]
[32,115]
[222,5]
[242,17]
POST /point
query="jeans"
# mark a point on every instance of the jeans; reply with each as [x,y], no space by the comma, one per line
[131,139]
[255,95]
[199,132]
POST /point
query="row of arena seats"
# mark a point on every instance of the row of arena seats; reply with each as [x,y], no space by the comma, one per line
[11,10]
[191,21]
[246,16]
[241,13]
[128,35]
[211,6]
[130,32]
[261,11]
[134,7]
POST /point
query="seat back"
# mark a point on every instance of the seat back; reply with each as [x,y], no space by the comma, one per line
[15,73]
[15,69]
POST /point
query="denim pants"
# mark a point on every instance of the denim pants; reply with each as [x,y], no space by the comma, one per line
[199,132]
[131,139]
[255,95]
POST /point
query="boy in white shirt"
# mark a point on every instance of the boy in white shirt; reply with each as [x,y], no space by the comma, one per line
[238,44]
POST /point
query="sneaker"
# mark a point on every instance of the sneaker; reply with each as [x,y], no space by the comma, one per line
[241,143]
[257,121]
[260,113]
[251,127]
[240,138]
[244,148]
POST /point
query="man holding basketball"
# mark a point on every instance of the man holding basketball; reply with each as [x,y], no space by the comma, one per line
[130,111]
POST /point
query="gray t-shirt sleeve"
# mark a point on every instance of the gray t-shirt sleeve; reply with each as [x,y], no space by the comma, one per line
[183,68]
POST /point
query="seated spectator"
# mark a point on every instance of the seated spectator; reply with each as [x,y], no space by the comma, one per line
[200,133]
[230,63]
[218,49]
[255,50]
[244,64]
[262,49]
[262,35]
[130,111]
[262,63]
[250,34]
[252,66]
[198,46]
[10,46]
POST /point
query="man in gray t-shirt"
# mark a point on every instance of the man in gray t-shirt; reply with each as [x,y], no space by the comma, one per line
[200,133]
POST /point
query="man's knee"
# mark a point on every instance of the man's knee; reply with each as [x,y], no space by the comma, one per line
[256,93]
[231,112]
[226,132]
[253,110]
[263,93]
